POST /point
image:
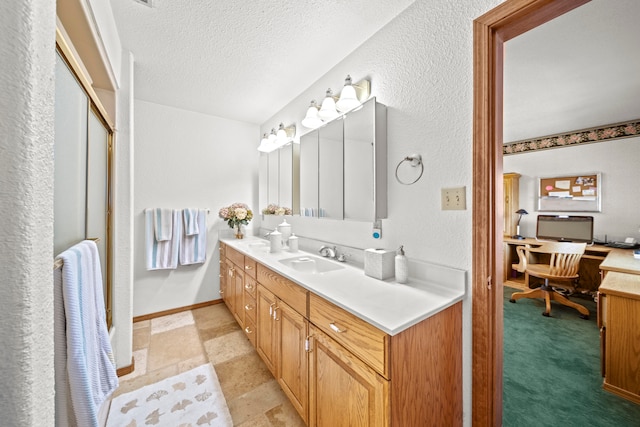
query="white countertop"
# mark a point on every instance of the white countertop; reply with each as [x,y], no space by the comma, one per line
[390,306]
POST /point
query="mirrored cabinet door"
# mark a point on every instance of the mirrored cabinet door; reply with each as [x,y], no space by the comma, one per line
[330,174]
[263,181]
[365,163]
[273,196]
[288,182]
[309,174]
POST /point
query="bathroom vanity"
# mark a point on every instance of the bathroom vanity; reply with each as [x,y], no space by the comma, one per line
[348,349]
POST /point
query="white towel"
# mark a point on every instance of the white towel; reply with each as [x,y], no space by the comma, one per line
[193,249]
[162,254]
[64,411]
[91,374]
[190,218]
[163,224]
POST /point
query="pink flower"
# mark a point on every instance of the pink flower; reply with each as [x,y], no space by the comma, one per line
[593,135]
[545,143]
[609,132]
[630,130]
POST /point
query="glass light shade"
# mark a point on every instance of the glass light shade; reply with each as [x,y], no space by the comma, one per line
[272,136]
[312,120]
[265,145]
[328,109]
[348,98]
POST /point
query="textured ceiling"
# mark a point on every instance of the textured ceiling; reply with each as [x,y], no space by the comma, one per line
[242,60]
[577,71]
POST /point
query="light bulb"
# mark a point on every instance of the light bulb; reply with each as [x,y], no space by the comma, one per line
[348,98]
[328,110]
[312,120]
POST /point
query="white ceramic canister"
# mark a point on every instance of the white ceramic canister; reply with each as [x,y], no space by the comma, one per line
[275,241]
[285,229]
[293,243]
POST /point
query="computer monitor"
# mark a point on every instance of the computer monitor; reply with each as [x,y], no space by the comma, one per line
[565,228]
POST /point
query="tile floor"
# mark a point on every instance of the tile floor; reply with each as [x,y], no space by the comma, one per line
[166,346]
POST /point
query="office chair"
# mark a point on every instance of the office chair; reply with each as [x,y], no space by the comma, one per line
[562,270]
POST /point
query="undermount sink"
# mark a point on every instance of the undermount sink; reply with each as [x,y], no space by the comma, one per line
[258,246]
[311,264]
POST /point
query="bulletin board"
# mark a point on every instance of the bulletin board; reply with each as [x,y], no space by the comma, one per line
[575,193]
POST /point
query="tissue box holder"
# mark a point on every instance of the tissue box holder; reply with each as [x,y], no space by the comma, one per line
[379,263]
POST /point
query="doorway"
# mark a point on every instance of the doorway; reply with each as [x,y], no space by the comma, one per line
[491,31]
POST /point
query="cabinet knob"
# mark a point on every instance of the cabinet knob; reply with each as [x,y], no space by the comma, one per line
[221,292]
[248,330]
[248,307]
[336,329]
[248,267]
[248,287]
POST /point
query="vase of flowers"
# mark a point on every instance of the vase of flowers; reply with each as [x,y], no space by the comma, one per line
[236,215]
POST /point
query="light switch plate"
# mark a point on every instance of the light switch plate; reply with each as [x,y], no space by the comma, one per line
[454,199]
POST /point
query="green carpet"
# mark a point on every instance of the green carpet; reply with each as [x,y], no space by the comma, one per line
[552,369]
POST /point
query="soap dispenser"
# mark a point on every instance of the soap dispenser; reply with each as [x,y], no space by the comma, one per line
[402,269]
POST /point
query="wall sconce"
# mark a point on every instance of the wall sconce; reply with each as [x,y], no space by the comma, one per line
[519,212]
[268,143]
[312,120]
[328,109]
[352,96]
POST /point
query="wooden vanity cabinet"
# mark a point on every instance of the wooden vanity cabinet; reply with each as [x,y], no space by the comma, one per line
[339,370]
[344,391]
[282,333]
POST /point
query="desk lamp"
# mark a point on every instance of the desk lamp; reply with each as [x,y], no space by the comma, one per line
[519,212]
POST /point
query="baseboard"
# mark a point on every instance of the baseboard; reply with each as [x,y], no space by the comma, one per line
[126,369]
[176,310]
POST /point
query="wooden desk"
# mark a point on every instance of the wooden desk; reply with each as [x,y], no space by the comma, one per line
[622,261]
[619,322]
[590,264]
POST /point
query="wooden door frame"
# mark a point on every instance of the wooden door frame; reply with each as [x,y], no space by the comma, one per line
[490,32]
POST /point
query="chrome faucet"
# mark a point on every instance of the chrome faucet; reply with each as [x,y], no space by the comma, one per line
[327,251]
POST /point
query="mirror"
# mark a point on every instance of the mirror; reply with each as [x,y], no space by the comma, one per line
[358,164]
[309,174]
[273,179]
[330,170]
[288,182]
[263,181]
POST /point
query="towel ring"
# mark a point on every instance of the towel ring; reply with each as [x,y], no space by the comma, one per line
[414,160]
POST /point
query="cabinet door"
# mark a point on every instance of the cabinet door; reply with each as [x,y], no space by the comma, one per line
[293,366]
[344,392]
[266,339]
[238,295]
[227,293]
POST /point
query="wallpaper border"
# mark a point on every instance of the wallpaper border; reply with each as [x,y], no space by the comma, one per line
[584,136]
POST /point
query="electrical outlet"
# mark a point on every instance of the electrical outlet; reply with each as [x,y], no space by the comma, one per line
[454,199]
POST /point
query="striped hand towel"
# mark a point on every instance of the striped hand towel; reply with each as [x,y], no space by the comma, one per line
[162,255]
[193,249]
[190,217]
[163,224]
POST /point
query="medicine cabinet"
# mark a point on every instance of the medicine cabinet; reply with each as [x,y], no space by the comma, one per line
[338,171]
[343,166]
[278,176]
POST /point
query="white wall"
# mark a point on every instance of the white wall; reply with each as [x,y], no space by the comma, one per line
[420,66]
[26,211]
[617,161]
[187,159]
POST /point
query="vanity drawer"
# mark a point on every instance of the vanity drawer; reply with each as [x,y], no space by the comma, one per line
[291,293]
[250,286]
[367,342]
[236,257]
[249,308]
[250,267]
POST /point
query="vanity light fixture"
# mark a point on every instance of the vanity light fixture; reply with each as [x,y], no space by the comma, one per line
[285,135]
[265,144]
[328,109]
[312,120]
[272,136]
[352,96]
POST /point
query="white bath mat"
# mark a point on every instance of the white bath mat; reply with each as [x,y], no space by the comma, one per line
[193,398]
